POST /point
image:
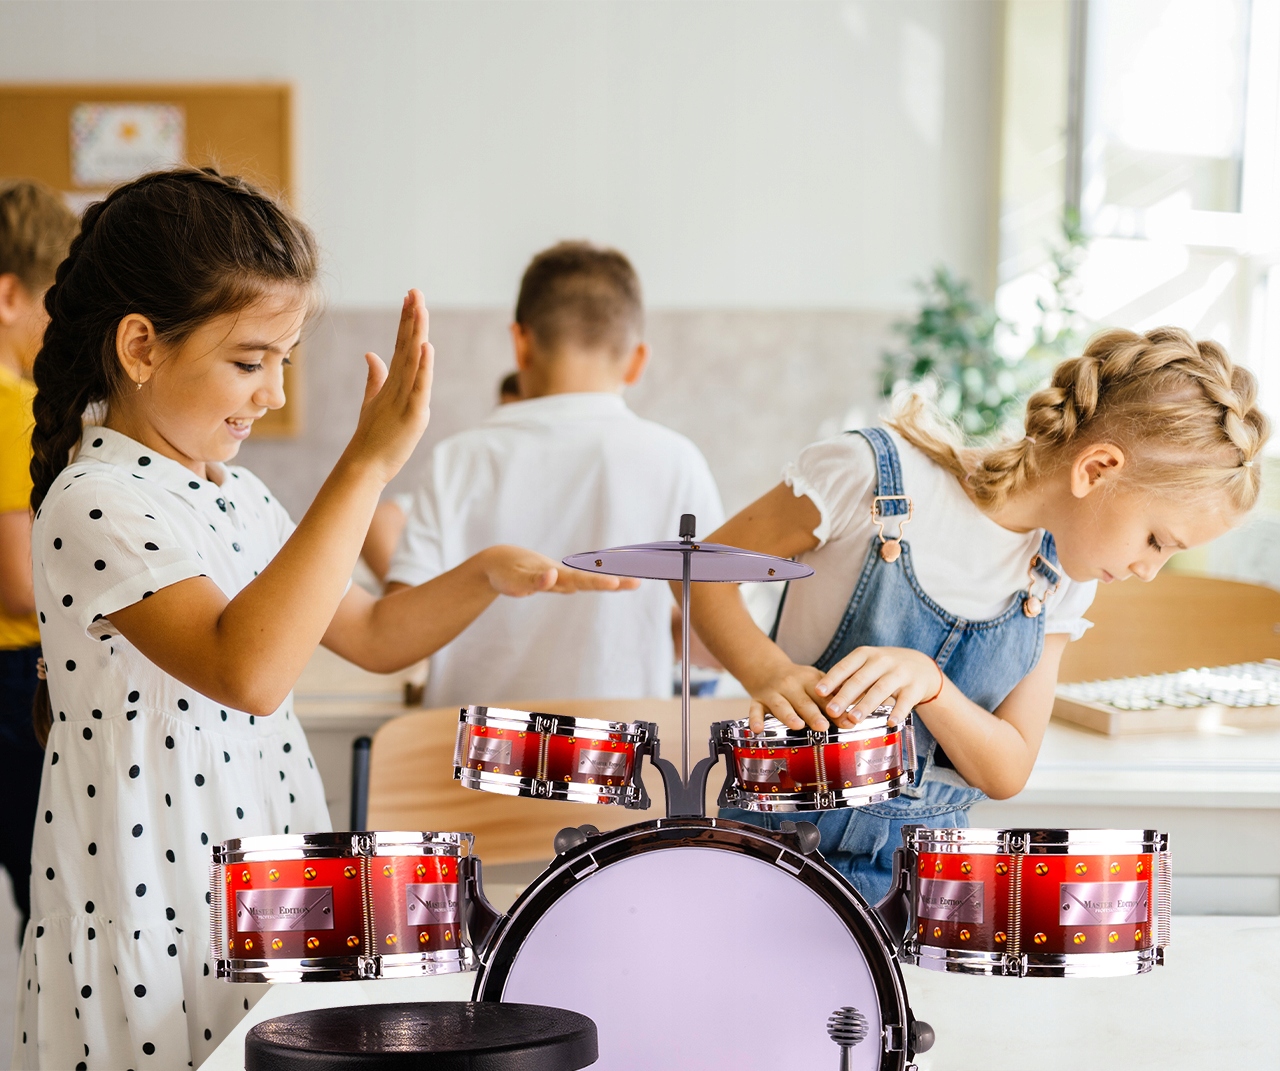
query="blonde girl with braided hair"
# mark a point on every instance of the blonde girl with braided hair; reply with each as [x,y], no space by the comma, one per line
[949,579]
[178,602]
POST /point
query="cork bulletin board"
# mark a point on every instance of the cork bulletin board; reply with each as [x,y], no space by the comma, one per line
[241,129]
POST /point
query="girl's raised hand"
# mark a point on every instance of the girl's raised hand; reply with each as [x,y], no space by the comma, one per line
[397,401]
[517,572]
[867,677]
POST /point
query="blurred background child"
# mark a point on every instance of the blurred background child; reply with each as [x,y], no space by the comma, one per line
[569,467]
[35,230]
[389,518]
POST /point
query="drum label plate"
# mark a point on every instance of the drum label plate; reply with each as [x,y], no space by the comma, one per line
[763,771]
[602,763]
[1102,903]
[268,910]
[433,904]
[875,760]
[951,901]
[490,750]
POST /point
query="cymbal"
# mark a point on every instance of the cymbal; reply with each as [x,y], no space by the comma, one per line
[709,562]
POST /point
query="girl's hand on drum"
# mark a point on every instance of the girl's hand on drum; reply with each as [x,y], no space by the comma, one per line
[397,401]
[516,572]
[788,694]
[867,677]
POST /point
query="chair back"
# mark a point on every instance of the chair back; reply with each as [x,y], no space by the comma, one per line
[1175,622]
[411,783]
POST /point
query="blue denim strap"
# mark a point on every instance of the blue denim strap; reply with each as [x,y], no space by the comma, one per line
[1046,562]
[888,468]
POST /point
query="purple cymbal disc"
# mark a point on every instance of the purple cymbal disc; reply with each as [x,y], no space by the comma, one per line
[709,562]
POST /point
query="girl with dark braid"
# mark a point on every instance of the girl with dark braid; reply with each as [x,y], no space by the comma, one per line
[950,579]
[178,603]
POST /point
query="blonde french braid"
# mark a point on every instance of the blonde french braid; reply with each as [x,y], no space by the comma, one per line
[1185,415]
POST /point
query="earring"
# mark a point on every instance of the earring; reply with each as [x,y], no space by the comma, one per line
[139,384]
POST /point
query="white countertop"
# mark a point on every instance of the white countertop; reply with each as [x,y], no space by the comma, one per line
[1214,1004]
[1220,769]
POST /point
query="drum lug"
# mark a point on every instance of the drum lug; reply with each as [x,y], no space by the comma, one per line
[892,1037]
[805,834]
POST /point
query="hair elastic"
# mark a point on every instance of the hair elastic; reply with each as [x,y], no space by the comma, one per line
[942,683]
[1246,464]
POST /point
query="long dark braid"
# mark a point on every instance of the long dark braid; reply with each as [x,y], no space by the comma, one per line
[179,247]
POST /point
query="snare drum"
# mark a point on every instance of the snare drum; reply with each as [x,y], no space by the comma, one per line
[783,769]
[552,756]
[342,906]
[1050,903]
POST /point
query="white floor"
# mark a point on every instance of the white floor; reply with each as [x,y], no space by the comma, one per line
[8,966]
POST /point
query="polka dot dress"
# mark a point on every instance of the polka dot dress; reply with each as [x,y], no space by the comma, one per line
[142,774]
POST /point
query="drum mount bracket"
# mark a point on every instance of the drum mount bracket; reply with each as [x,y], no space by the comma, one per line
[894,911]
[684,799]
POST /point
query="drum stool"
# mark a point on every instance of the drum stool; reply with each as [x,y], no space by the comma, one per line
[437,1036]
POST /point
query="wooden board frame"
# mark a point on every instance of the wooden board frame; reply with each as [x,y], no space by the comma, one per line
[242,128]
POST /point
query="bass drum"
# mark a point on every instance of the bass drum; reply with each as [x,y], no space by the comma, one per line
[682,938]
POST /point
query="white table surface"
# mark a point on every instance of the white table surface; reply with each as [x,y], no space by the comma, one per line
[1221,769]
[1215,1004]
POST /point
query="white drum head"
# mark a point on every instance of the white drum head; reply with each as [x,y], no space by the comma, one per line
[698,957]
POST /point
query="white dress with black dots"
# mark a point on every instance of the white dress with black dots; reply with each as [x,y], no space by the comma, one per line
[142,774]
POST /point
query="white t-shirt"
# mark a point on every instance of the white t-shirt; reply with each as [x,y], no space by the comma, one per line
[965,562]
[558,474]
[142,774]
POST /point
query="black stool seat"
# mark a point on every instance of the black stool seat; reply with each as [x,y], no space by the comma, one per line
[436,1036]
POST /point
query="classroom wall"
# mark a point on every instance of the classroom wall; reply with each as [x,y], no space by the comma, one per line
[770,154]
[780,172]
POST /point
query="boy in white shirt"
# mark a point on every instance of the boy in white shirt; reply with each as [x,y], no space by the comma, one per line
[567,468]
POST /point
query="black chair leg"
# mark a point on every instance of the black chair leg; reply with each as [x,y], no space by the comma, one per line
[360,749]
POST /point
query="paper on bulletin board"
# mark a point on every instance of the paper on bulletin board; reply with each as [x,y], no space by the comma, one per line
[114,143]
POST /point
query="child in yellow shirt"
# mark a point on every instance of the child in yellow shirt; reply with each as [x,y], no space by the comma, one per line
[35,231]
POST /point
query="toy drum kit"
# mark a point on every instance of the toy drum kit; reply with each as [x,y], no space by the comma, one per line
[631,926]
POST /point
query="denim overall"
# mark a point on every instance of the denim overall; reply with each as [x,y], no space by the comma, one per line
[984,659]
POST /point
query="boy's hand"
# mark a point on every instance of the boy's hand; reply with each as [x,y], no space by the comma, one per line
[397,401]
[867,677]
[517,572]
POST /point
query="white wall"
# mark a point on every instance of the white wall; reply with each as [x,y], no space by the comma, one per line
[776,154]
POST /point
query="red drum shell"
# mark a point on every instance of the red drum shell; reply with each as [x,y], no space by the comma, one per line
[1071,902]
[548,756]
[263,896]
[416,918]
[796,770]
[309,907]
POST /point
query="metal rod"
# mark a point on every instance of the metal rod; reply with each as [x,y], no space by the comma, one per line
[684,666]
